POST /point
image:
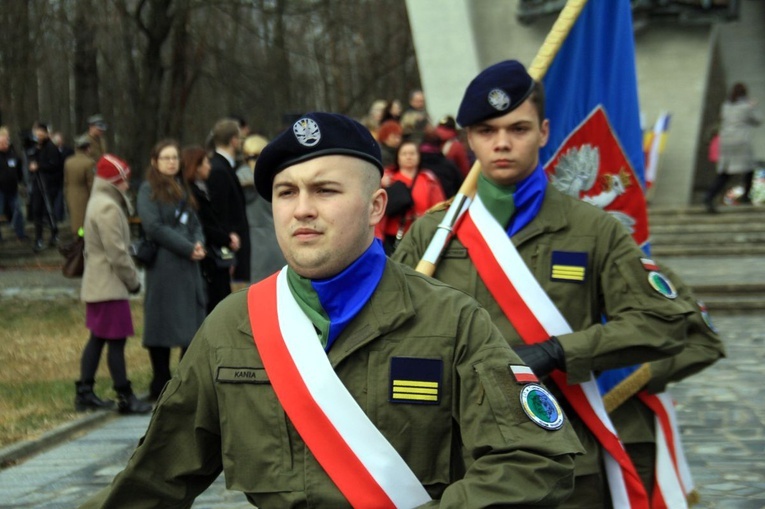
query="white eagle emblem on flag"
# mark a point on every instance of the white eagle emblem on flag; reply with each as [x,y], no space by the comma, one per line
[307,132]
[576,174]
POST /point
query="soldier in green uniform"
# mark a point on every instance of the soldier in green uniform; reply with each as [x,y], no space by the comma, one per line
[421,361]
[633,420]
[582,258]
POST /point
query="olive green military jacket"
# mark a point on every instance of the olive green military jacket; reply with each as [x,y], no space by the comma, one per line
[634,421]
[207,420]
[642,324]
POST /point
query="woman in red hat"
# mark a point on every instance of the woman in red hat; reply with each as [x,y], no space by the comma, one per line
[110,276]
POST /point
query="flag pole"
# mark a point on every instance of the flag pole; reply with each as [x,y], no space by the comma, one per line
[464,196]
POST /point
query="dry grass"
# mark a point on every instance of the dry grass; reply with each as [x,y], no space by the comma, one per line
[40,347]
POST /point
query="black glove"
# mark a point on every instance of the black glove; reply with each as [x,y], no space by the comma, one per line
[135,290]
[543,357]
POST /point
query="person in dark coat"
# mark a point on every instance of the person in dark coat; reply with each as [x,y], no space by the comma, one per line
[433,159]
[47,176]
[226,193]
[11,175]
[174,305]
[220,242]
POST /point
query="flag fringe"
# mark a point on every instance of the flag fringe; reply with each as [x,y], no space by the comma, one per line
[627,388]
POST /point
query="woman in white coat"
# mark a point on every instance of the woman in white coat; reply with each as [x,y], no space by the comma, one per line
[738,116]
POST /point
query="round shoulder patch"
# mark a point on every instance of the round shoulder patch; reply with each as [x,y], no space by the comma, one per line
[541,407]
[662,284]
[307,132]
[499,99]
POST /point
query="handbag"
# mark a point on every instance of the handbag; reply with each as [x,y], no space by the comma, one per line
[399,199]
[74,258]
[223,257]
[144,251]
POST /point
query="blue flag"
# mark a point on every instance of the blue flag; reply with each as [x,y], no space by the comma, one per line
[595,150]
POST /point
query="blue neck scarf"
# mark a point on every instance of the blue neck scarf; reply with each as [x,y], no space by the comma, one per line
[528,197]
[332,303]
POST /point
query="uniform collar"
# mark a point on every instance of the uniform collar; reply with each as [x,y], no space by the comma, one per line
[552,216]
[224,155]
[389,307]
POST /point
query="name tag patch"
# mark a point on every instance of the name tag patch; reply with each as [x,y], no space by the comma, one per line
[228,375]
[568,266]
[415,380]
[456,252]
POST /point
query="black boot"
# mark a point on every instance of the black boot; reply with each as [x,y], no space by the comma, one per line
[128,403]
[86,399]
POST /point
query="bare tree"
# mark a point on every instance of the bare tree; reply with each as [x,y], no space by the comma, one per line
[159,68]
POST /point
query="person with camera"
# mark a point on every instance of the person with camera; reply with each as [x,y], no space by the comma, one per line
[46,171]
[110,276]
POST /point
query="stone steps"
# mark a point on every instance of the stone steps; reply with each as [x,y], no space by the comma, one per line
[732,297]
[692,231]
[734,232]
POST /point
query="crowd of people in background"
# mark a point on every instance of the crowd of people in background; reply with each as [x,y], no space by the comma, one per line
[212,229]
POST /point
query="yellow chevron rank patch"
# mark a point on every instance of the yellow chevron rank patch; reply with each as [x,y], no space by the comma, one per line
[412,390]
[567,266]
[415,380]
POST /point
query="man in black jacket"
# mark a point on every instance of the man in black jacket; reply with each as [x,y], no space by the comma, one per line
[226,193]
[11,174]
[46,169]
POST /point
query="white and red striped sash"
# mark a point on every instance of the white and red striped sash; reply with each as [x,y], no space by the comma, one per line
[360,461]
[674,482]
[536,318]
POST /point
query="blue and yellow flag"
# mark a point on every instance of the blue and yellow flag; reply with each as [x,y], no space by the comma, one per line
[595,150]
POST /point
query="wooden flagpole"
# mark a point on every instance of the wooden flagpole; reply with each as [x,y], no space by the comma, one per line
[461,201]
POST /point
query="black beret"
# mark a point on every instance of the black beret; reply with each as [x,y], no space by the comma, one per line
[314,135]
[497,90]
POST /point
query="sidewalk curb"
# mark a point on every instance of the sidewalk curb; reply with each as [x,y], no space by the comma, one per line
[15,453]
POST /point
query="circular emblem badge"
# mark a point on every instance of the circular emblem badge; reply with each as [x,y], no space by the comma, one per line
[541,407]
[499,99]
[662,284]
[307,132]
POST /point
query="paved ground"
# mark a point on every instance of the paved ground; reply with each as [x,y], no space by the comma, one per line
[721,412]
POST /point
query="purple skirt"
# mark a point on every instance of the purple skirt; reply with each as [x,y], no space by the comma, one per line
[110,319]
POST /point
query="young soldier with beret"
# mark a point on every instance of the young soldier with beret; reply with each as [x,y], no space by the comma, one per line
[523,237]
[347,379]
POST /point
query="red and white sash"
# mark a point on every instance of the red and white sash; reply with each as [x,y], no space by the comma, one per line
[674,483]
[357,457]
[536,318]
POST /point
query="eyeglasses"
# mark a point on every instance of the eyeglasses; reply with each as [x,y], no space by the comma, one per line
[253,157]
[168,158]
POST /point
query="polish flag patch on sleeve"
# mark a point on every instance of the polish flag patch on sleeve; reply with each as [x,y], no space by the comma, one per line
[649,264]
[523,374]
